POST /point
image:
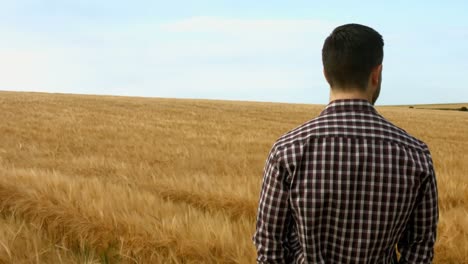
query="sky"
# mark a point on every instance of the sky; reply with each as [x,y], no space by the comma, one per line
[231,50]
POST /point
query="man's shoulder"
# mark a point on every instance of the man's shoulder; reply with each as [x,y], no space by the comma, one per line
[405,138]
[323,126]
[299,135]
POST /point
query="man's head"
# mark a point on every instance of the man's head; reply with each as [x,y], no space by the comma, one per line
[352,60]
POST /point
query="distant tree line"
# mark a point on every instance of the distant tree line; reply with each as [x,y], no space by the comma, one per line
[463,108]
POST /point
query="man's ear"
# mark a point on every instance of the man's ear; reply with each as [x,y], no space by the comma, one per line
[375,75]
[326,76]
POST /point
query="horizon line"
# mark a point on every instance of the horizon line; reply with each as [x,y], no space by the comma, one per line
[209,99]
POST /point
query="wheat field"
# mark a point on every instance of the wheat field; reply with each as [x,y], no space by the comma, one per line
[102,179]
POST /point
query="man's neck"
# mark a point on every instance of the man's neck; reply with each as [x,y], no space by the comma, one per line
[338,94]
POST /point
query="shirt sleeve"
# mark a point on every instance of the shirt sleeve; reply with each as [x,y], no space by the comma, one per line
[273,214]
[417,243]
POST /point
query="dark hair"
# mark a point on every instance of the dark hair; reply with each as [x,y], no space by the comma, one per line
[350,53]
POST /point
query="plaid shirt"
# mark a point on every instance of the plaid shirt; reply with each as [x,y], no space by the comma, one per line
[346,187]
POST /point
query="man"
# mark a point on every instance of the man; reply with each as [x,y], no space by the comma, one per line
[348,186]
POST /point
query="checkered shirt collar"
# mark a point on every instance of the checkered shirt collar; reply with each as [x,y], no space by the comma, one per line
[348,105]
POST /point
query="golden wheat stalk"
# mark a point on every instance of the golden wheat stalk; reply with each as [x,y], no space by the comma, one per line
[64,224]
[231,205]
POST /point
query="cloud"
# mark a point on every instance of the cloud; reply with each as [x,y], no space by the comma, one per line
[203,57]
[208,37]
[243,26]
[30,69]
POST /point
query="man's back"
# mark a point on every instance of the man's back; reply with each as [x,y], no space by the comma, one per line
[345,188]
